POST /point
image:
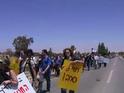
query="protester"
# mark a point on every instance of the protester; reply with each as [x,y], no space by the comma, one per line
[44,71]
[106,61]
[93,61]
[53,64]
[22,58]
[100,61]
[83,61]
[28,67]
[68,55]
[7,76]
[88,61]
[26,62]
[96,58]
[58,62]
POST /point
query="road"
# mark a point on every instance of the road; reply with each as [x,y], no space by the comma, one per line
[104,80]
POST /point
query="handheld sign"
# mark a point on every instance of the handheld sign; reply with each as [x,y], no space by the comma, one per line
[70,75]
[23,86]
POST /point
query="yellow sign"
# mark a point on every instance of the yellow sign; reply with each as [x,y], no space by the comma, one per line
[70,75]
[14,64]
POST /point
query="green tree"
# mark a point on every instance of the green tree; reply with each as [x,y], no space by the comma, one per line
[51,53]
[22,43]
[102,49]
[99,48]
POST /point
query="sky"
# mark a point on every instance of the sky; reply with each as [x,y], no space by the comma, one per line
[58,24]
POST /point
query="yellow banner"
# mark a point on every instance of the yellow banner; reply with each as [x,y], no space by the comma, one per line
[70,75]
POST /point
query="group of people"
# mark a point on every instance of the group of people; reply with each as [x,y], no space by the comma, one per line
[95,60]
[25,62]
[38,70]
[7,75]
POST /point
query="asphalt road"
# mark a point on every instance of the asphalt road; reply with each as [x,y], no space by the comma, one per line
[104,80]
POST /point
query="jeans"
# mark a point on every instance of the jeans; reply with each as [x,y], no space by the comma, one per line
[65,91]
[47,77]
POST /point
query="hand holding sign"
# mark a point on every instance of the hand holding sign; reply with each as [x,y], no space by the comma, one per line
[70,75]
[23,86]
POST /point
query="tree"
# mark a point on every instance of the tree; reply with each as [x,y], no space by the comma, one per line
[51,54]
[21,43]
[102,49]
[99,48]
[9,51]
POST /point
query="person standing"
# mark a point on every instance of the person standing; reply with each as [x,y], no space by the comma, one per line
[58,62]
[22,58]
[7,75]
[96,59]
[44,71]
[88,61]
[28,67]
[68,55]
[99,61]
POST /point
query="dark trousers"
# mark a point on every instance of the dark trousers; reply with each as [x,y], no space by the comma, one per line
[47,78]
[65,91]
[88,65]
[100,64]
[105,64]
[57,70]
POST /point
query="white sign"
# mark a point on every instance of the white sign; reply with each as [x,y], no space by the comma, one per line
[106,60]
[23,86]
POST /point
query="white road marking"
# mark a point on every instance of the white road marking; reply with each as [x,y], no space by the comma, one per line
[110,77]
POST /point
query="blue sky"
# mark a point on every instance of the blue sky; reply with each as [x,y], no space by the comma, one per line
[61,23]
